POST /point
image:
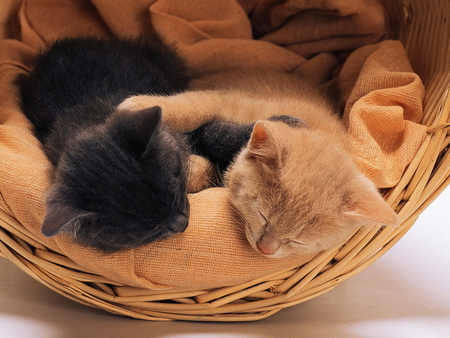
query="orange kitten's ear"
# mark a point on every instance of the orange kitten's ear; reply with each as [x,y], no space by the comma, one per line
[262,145]
[367,205]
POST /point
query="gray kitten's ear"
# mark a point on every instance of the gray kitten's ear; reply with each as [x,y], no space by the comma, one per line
[262,145]
[62,217]
[134,130]
[143,124]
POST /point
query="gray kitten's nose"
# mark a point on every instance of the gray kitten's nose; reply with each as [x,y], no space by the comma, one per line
[179,223]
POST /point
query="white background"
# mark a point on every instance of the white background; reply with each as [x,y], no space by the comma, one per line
[406,293]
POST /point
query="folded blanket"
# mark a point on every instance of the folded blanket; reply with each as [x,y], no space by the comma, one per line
[381,94]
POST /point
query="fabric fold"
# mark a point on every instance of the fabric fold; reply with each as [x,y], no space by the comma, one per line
[381,94]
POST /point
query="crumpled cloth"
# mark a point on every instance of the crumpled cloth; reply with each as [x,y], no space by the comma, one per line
[337,42]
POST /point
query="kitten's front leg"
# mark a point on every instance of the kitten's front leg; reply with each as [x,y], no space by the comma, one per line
[183,112]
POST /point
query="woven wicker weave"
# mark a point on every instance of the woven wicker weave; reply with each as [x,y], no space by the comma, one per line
[423,28]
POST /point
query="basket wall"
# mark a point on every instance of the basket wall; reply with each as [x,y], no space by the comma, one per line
[423,28]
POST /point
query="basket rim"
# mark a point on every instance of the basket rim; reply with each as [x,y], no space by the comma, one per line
[419,186]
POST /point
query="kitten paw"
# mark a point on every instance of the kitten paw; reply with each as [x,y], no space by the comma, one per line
[138,102]
[177,114]
[202,174]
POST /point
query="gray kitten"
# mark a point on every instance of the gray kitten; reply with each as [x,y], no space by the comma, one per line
[119,180]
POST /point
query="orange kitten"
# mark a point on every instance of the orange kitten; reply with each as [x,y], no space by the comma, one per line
[297,188]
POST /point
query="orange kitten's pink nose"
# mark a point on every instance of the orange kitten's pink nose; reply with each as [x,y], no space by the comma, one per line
[267,245]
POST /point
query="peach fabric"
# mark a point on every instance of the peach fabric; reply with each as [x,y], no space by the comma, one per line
[382,95]
[383,106]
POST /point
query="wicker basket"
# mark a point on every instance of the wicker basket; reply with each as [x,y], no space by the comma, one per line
[423,28]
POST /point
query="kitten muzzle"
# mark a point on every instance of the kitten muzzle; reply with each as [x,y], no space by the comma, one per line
[267,245]
[179,223]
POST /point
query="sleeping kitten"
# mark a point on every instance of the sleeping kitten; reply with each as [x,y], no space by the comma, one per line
[119,180]
[296,186]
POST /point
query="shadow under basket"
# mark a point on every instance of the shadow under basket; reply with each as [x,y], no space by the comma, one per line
[423,27]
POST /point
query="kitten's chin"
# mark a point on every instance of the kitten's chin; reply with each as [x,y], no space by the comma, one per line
[278,254]
[286,252]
